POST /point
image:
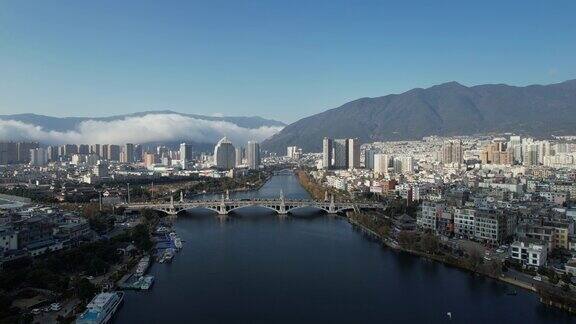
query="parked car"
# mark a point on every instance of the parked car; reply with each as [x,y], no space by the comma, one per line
[537,278]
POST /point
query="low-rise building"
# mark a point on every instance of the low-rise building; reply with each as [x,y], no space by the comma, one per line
[8,239]
[529,252]
[464,224]
[493,226]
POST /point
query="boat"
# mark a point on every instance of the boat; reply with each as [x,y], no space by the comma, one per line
[101,308]
[167,255]
[143,266]
[146,282]
[177,243]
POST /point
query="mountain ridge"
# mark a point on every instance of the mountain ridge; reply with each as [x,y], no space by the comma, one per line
[446,109]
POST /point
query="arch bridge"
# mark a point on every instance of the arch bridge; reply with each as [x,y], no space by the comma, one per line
[225,205]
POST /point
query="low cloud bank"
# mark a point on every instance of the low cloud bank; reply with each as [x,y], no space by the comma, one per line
[143,129]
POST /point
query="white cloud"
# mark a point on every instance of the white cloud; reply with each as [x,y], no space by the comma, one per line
[147,128]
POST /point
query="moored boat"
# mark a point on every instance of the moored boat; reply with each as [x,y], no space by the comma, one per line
[101,308]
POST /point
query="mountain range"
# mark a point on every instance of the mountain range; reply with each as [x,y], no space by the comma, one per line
[446,109]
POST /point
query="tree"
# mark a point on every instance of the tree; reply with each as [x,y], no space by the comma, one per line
[474,259]
[494,268]
[429,243]
[85,290]
[141,237]
[407,239]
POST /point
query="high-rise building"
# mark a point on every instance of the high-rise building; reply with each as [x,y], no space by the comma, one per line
[382,163]
[452,152]
[293,152]
[52,153]
[326,153]
[37,156]
[8,153]
[128,153]
[497,152]
[239,156]
[67,150]
[185,155]
[404,164]
[24,151]
[95,149]
[101,169]
[224,154]
[104,149]
[369,159]
[353,153]
[83,149]
[340,155]
[253,155]
[530,154]
[149,159]
[114,152]
[138,153]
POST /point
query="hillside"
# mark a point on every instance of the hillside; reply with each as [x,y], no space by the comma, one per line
[445,109]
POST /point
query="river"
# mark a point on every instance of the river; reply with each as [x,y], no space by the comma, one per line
[256,267]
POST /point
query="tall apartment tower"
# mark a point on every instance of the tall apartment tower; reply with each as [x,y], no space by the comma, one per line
[114,152]
[52,153]
[24,151]
[369,159]
[83,149]
[239,156]
[253,155]
[452,152]
[8,153]
[37,156]
[353,153]
[327,153]
[224,154]
[382,163]
[185,155]
[128,153]
[104,149]
[340,157]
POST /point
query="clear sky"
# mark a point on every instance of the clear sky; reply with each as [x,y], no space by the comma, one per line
[278,59]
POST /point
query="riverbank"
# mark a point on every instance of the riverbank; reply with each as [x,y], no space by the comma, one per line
[547,295]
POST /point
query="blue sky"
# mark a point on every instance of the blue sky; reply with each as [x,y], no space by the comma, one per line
[277,59]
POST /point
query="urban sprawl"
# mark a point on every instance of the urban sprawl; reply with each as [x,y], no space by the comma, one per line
[506,201]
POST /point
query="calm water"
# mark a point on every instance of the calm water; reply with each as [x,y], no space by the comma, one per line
[312,268]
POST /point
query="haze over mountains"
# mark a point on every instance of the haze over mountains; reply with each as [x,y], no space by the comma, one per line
[446,109]
[144,127]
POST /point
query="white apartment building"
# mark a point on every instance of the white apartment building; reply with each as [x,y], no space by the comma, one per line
[336,182]
[529,253]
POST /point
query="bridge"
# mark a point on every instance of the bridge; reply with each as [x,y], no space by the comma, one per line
[226,205]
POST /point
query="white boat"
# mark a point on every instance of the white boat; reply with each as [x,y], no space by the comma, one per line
[178,243]
[101,309]
[143,266]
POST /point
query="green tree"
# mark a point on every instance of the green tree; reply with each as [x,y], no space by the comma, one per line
[141,237]
[85,290]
